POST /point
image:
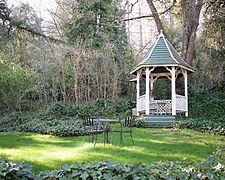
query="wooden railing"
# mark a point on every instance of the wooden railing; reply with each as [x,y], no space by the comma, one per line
[181,103]
[155,106]
[141,103]
[161,107]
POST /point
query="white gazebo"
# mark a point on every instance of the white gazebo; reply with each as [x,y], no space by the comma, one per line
[162,61]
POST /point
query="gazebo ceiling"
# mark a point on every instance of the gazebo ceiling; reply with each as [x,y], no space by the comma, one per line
[162,54]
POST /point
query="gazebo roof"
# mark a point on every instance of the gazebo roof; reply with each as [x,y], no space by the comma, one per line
[162,53]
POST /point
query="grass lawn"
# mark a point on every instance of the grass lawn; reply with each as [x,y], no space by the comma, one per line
[45,152]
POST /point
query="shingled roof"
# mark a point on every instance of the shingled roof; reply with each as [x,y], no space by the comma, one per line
[162,53]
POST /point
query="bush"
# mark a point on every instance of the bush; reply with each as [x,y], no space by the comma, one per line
[110,108]
[209,105]
[211,168]
[56,127]
[67,126]
[140,122]
[202,125]
[11,170]
[57,109]
[11,122]
[14,80]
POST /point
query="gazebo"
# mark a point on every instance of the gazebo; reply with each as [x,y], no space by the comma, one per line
[161,61]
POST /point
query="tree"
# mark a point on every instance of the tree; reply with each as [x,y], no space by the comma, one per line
[190,13]
[190,10]
[155,15]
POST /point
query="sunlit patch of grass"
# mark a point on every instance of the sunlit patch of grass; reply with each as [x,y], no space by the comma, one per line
[47,152]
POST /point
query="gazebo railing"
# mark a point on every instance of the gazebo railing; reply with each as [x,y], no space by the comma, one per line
[162,106]
[141,103]
[155,106]
[181,103]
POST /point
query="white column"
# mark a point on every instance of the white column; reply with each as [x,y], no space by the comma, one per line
[186,91]
[138,91]
[173,88]
[147,91]
[151,84]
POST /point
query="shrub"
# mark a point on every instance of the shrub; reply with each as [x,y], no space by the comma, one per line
[140,122]
[56,127]
[14,79]
[11,170]
[57,109]
[72,111]
[202,125]
[11,122]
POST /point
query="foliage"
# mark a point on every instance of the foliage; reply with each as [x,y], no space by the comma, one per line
[94,65]
[206,108]
[97,19]
[14,80]
[57,109]
[211,168]
[140,122]
[52,126]
[11,170]
[202,125]
[82,110]
[209,104]
[56,127]
[109,108]
[63,120]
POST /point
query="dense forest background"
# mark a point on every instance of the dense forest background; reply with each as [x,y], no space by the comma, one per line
[84,56]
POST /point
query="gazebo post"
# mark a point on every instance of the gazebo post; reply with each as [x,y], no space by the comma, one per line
[147,72]
[151,85]
[186,91]
[173,89]
[138,89]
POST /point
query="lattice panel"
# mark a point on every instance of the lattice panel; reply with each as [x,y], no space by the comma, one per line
[181,103]
[161,107]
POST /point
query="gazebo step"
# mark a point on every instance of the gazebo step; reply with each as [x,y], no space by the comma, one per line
[159,123]
[159,120]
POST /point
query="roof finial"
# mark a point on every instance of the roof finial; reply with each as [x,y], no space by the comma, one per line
[161,33]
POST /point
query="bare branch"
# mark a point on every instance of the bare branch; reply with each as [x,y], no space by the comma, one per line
[151,15]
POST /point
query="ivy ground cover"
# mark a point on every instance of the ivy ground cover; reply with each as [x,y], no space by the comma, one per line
[45,152]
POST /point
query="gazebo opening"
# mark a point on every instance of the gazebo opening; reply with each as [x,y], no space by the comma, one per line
[162,89]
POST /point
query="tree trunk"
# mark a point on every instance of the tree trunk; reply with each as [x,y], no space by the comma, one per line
[155,15]
[191,12]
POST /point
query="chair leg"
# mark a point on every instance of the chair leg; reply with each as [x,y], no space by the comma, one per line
[131,136]
[89,138]
[121,138]
[104,137]
[112,138]
[96,137]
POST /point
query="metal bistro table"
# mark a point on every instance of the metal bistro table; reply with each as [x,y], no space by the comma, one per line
[100,121]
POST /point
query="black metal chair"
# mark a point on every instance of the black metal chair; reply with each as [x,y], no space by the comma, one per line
[95,126]
[125,127]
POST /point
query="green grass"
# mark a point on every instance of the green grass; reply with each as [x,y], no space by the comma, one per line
[45,152]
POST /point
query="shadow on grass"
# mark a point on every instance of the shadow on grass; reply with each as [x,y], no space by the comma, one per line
[49,152]
[16,140]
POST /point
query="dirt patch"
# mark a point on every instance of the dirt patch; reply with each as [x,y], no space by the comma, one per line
[159,134]
[185,137]
[219,141]
[171,138]
[153,131]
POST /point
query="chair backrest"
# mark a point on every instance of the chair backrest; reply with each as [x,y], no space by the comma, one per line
[129,121]
[100,123]
[88,121]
